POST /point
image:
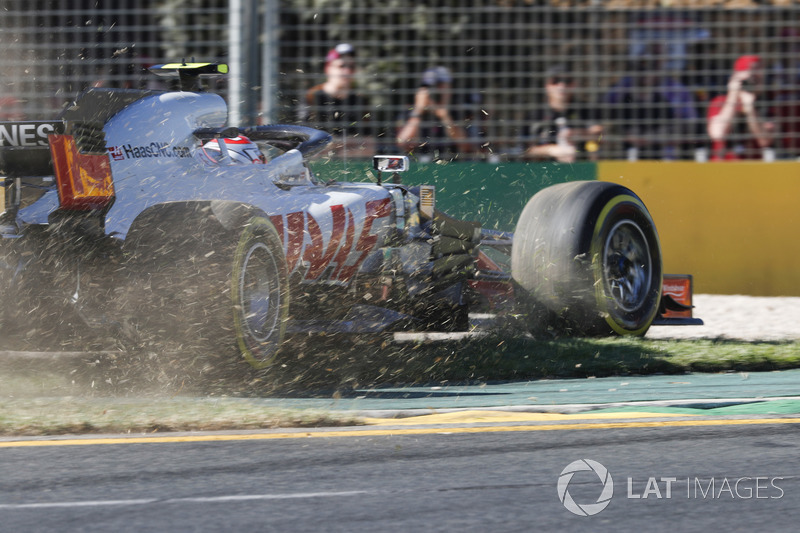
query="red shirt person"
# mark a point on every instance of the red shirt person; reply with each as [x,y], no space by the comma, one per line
[731,137]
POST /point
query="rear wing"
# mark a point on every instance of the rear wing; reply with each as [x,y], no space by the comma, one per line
[189,74]
[72,152]
[24,145]
[24,148]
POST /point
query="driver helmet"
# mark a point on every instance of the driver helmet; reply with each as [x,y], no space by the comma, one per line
[240,150]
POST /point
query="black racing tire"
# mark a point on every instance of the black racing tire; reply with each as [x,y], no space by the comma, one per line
[36,279]
[8,267]
[40,277]
[587,255]
[259,292]
[222,294]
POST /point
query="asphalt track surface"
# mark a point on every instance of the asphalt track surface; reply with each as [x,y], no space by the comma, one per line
[702,464]
[667,474]
[686,453]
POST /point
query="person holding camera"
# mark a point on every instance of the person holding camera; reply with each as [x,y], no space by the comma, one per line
[558,131]
[336,107]
[731,140]
[430,128]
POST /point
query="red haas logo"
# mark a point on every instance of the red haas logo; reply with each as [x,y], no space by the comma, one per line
[116,153]
[345,251]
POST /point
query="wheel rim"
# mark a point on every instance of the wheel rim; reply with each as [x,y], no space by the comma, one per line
[627,265]
[259,288]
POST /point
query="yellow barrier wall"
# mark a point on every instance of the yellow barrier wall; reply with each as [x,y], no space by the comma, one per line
[733,225]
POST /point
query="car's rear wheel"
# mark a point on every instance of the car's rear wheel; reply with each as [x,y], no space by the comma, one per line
[46,282]
[259,292]
[587,258]
[221,294]
[8,270]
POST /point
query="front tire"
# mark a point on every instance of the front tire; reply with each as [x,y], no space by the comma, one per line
[588,255]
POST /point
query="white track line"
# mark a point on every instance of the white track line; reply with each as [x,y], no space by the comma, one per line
[203,499]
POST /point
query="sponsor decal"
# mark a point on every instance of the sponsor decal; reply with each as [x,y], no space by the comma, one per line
[347,246]
[154,149]
[676,290]
[679,288]
[427,200]
[28,135]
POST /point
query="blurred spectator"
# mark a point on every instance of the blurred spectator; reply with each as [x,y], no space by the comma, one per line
[654,111]
[335,107]
[736,139]
[11,109]
[559,132]
[431,129]
[101,78]
[784,76]
[673,32]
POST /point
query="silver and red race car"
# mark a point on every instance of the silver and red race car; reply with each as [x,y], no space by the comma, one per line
[143,211]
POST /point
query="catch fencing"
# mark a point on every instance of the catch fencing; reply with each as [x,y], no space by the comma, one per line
[498,52]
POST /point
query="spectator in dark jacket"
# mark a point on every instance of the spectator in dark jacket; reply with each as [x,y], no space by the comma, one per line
[559,132]
[334,105]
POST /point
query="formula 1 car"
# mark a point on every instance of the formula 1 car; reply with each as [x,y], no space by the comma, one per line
[143,211]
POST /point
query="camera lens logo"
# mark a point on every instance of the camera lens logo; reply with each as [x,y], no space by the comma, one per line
[585,509]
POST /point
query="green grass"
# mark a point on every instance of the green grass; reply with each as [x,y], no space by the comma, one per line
[116,393]
[504,357]
[81,415]
[619,356]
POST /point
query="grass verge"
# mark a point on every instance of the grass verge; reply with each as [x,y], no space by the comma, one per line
[497,357]
[83,415]
[120,393]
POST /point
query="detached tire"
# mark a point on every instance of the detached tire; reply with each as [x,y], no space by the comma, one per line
[222,294]
[587,255]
